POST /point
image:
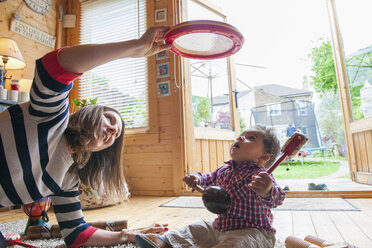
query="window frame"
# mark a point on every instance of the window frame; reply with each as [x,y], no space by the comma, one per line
[301,107]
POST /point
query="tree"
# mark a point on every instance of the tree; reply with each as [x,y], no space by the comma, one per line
[324,67]
[325,82]
[201,110]
[324,78]
[330,118]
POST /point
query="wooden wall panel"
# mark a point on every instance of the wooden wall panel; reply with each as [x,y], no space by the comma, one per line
[362,149]
[210,154]
[31,50]
[213,155]
[219,151]
[357,152]
[368,137]
[226,149]
[363,156]
[205,156]
[197,152]
[363,152]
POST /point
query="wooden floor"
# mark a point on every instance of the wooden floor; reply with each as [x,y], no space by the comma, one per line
[352,227]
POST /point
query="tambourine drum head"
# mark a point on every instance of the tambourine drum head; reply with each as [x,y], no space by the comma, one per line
[204,39]
[203,44]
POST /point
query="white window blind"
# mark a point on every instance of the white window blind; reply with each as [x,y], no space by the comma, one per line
[121,84]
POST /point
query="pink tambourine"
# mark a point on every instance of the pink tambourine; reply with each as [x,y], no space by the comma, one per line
[204,39]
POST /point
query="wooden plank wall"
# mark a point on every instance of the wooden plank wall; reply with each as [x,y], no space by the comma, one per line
[30,49]
[363,156]
[209,155]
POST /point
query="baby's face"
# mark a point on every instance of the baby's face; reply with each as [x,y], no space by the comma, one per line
[248,146]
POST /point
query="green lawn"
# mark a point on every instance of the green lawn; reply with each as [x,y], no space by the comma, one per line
[310,169]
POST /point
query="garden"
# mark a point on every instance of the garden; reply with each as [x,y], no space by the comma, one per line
[308,168]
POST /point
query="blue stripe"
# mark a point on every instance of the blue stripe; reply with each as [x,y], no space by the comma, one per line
[40,113]
[50,183]
[19,132]
[41,94]
[66,208]
[43,129]
[48,81]
[6,180]
[48,104]
[72,236]
[70,223]
[68,194]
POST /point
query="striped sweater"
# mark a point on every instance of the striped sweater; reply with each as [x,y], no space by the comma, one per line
[34,159]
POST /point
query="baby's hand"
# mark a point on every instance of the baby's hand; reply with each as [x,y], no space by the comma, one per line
[261,184]
[192,180]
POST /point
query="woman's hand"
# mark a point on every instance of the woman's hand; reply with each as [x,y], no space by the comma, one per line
[192,180]
[154,228]
[150,41]
[261,184]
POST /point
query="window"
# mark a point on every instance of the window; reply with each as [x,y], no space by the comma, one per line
[209,82]
[121,84]
[302,108]
[273,110]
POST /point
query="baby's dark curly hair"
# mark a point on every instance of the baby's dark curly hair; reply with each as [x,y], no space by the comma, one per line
[271,143]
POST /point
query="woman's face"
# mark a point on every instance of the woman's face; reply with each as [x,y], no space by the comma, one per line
[111,130]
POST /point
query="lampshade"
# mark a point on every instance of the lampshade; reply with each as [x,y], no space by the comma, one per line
[9,50]
[25,85]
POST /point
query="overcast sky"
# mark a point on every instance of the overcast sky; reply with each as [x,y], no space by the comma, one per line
[280,33]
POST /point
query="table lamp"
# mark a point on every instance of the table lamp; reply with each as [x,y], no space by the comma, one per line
[10,55]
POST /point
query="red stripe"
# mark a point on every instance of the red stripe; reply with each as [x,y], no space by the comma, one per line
[83,237]
[55,70]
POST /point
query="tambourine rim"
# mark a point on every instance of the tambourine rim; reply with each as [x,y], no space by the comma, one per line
[205,26]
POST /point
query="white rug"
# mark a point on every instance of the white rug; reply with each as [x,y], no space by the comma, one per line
[18,226]
[290,204]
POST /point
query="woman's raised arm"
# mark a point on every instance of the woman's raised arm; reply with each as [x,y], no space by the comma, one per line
[81,58]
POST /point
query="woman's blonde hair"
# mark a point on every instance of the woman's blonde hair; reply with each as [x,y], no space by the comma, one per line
[102,170]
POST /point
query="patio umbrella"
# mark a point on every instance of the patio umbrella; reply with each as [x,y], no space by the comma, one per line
[359,66]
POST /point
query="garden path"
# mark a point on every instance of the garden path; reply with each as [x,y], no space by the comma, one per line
[342,171]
